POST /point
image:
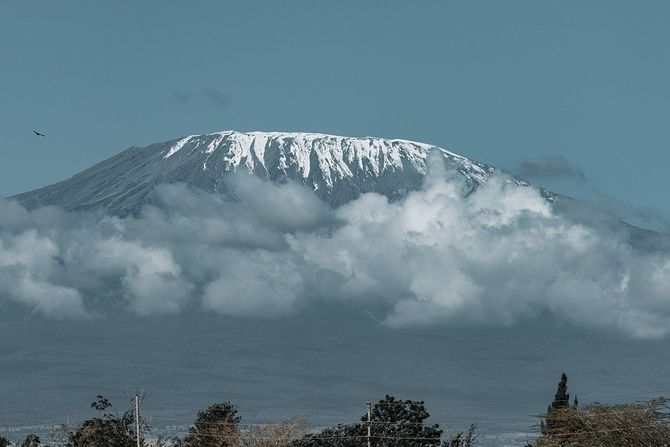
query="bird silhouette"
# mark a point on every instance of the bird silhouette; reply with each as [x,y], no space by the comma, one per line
[39,134]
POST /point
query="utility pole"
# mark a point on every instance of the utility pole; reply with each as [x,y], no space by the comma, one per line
[137,420]
[369,405]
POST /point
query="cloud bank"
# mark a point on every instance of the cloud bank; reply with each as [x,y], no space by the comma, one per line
[497,256]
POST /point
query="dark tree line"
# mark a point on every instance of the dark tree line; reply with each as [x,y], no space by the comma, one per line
[393,423]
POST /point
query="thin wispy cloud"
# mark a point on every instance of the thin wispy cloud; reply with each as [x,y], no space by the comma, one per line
[598,201]
[207,95]
[181,97]
[550,166]
[216,97]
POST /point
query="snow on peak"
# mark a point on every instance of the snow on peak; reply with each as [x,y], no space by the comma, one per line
[333,157]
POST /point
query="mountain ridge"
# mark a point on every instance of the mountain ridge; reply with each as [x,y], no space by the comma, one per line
[337,168]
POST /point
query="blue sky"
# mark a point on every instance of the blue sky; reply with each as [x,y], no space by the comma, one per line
[500,82]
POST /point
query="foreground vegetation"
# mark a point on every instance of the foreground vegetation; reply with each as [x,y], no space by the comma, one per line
[391,423]
[638,424]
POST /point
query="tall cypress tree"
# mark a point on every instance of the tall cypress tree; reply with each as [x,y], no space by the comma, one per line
[561,400]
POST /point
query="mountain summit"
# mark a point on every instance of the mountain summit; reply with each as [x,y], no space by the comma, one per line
[337,168]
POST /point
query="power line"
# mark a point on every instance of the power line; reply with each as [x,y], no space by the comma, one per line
[369,410]
[137,420]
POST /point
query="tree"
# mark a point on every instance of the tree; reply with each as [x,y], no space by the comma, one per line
[401,422]
[31,440]
[394,423]
[4,442]
[561,401]
[216,426]
[562,397]
[460,439]
[352,435]
[106,430]
[101,404]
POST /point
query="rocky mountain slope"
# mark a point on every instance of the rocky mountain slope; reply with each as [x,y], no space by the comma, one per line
[338,168]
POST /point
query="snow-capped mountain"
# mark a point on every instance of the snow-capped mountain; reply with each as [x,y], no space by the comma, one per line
[337,168]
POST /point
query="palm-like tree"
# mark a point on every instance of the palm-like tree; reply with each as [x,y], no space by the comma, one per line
[101,404]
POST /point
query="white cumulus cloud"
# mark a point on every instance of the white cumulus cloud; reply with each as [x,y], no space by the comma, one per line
[498,255]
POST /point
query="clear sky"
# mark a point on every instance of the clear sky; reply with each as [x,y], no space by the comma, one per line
[498,81]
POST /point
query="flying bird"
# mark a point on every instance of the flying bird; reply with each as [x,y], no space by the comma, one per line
[39,134]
